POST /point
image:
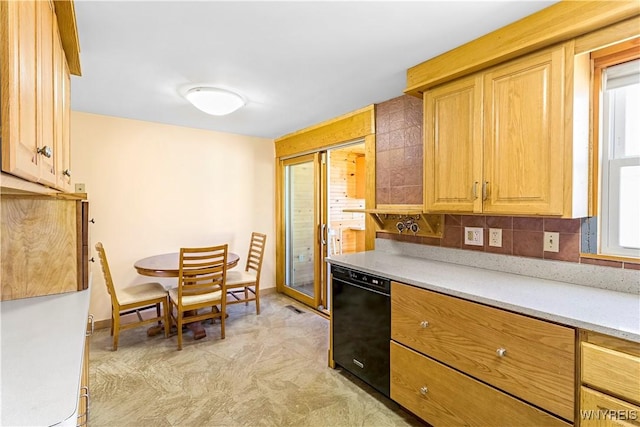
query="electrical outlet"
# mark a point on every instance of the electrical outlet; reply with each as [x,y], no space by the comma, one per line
[474,236]
[495,237]
[551,242]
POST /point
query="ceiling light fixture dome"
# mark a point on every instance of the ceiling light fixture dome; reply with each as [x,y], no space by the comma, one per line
[214,101]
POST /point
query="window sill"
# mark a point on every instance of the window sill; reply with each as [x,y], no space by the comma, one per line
[630,260]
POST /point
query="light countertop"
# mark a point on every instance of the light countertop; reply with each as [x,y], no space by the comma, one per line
[601,310]
[42,349]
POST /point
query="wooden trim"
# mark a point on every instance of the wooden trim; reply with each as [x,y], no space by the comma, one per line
[603,58]
[594,146]
[280,227]
[410,209]
[348,127]
[611,258]
[608,341]
[66,16]
[555,24]
[370,191]
[615,54]
[612,34]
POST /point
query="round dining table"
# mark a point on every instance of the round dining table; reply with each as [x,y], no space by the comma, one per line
[168,265]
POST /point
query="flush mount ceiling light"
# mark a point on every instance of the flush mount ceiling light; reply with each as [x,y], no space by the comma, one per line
[214,101]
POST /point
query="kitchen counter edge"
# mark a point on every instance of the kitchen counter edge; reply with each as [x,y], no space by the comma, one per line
[609,312]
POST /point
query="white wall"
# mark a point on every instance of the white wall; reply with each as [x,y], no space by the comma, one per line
[154,188]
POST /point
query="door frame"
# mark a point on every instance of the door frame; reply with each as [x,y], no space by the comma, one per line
[357,125]
[319,218]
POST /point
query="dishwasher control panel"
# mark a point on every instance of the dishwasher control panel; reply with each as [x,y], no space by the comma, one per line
[360,278]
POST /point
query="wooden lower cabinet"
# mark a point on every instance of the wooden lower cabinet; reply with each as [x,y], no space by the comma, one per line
[445,397]
[44,246]
[601,410]
[531,359]
[612,371]
[610,378]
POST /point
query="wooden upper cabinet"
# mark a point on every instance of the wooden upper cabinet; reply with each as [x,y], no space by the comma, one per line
[35,79]
[19,87]
[523,135]
[453,146]
[45,96]
[495,141]
[62,109]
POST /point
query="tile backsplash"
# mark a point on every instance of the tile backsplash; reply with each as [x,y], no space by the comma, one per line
[521,236]
[399,151]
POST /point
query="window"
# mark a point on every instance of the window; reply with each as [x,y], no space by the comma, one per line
[618,103]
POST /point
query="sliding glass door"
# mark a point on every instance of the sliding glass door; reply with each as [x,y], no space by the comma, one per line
[305,231]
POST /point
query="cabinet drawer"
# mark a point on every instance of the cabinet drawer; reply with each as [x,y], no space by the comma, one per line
[444,397]
[601,410]
[538,364]
[613,371]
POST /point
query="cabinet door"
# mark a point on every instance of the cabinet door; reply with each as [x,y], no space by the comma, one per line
[34,262]
[45,93]
[453,146]
[523,135]
[19,76]
[62,146]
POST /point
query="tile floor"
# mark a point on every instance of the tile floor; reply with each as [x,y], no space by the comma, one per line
[270,370]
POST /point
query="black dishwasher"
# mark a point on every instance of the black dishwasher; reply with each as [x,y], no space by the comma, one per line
[362,325]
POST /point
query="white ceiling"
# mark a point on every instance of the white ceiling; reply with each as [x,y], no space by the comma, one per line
[297,63]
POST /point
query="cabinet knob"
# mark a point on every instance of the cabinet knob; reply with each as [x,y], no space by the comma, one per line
[424,390]
[92,221]
[92,259]
[501,352]
[67,172]
[424,324]
[45,151]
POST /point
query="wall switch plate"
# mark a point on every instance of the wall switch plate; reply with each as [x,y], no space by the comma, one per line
[495,237]
[474,236]
[551,242]
[80,188]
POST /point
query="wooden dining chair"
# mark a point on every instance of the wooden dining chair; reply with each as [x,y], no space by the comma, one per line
[133,299]
[244,286]
[201,285]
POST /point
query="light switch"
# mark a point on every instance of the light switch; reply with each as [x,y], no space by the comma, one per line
[551,241]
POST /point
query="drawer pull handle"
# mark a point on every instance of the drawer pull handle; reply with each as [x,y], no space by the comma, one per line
[424,324]
[358,363]
[424,390]
[501,352]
